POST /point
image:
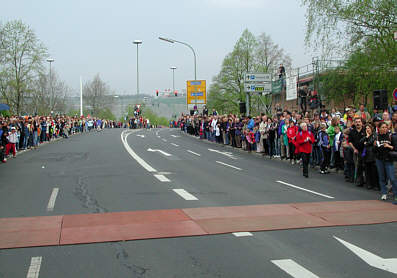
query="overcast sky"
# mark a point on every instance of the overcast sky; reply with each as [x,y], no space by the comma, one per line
[87,37]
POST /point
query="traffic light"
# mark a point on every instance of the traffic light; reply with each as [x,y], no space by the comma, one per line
[157,93]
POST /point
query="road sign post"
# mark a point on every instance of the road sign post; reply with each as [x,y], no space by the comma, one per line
[257,83]
[196,93]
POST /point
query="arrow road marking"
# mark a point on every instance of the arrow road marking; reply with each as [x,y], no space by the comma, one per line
[160,151]
[373,260]
[228,154]
[294,269]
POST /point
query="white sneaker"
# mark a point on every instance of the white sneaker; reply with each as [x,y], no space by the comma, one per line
[384,197]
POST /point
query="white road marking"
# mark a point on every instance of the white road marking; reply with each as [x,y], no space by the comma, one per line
[42,167]
[174,144]
[193,153]
[231,166]
[185,195]
[175,136]
[162,178]
[228,154]
[307,190]
[158,137]
[241,234]
[51,202]
[149,168]
[160,151]
[164,173]
[140,135]
[294,269]
[34,268]
[373,260]
[164,140]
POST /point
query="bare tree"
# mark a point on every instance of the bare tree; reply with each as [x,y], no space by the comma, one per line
[41,93]
[96,95]
[21,58]
[268,55]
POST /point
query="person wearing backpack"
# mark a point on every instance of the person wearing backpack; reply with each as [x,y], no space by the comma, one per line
[304,142]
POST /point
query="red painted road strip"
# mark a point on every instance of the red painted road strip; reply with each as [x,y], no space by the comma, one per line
[134,225]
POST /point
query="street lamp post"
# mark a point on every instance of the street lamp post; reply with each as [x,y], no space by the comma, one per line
[188,45]
[50,60]
[137,42]
[173,68]
[194,56]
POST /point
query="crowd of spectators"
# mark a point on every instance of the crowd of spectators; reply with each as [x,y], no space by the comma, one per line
[28,132]
[360,144]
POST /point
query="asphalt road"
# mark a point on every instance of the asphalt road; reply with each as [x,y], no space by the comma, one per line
[94,173]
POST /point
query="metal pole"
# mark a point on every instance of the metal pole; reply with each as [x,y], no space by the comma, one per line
[247,103]
[137,70]
[173,80]
[81,97]
[51,98]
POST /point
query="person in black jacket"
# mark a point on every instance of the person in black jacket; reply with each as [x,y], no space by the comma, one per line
[371,174]
[355,137]
[384,144]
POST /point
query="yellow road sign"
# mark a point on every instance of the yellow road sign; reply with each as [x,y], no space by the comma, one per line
[196,92]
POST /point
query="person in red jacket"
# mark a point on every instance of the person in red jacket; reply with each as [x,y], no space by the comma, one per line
[291,134]
[304,142]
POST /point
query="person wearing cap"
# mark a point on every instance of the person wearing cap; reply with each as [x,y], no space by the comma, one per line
[12,141]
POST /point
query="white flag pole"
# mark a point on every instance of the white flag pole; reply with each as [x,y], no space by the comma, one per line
[81,97]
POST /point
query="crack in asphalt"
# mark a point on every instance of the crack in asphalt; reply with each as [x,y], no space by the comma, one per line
[88,201]
[122,255]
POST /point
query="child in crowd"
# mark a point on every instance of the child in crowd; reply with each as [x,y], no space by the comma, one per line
[336,147]
[348,156]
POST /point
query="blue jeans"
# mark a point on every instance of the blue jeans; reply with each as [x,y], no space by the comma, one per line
[277,146]
[386,173]
[35,139]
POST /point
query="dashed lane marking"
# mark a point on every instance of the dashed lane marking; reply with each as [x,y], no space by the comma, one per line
[193,153]
[174,144]
[231,166]
[185,195]
[53,197]
[162,178]
[304,189]
[294,269]
[34,268]
[242,234]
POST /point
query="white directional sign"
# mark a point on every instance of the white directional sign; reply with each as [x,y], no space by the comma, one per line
[373,260]
[160,151]
[257,77]
[258,88]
